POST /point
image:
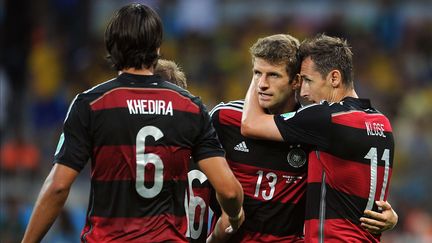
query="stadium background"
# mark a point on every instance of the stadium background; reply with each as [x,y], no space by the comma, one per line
[53,49]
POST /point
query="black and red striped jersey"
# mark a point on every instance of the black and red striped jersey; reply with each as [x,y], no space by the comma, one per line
[199,196]
[349,170]
[273,176]
[139,133]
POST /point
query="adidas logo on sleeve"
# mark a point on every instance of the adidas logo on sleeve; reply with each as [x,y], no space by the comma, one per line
[241,147]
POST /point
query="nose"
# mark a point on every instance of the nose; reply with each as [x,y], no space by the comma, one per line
[263,83]
[304,91]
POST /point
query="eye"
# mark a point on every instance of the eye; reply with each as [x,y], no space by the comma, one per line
[305,79]
[257,73]
[274,75]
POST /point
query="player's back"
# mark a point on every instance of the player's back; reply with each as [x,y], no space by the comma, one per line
[350,175]
[273,177]
[143,131]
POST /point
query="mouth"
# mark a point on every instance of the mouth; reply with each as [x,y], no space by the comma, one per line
[264,97]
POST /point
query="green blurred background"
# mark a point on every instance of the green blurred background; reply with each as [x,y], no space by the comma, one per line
[53,49]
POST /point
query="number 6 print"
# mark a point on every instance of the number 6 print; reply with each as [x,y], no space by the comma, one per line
[142,159]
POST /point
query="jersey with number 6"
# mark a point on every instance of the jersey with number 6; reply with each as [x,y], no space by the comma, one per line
[198,204]
[139,133]
[350,169]
[273,177]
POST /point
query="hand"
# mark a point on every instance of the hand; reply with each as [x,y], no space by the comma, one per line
[235,222]
[375,222]
[219,234]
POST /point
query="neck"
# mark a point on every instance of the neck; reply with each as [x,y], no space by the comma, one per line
[289,106]
[339,94]
[144,71]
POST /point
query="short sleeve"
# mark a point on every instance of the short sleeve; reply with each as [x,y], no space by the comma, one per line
[207,144]
[74,147]
[309,125]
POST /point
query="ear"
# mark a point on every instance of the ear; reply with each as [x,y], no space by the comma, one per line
[335,78]
[296,82]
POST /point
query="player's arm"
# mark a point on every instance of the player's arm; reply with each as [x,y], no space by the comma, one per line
[223,230]
[229,191]
[377,223]
[50,202]
[255,122]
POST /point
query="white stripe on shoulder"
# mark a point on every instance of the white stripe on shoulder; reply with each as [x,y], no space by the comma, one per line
[73,101]
[70,107]
[307,106]
[94,87]
[236,105]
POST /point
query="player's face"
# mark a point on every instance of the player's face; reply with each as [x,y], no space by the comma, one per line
[274,90]
[314,87]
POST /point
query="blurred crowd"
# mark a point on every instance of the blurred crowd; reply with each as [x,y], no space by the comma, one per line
[53,49]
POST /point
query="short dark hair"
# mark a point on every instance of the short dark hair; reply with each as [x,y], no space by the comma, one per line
[278,49]
[171,72]
[329,53]
[133,36]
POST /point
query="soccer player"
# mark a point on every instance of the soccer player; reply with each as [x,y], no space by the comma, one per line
[139,132]
[170,71]
[351,165]
[273,174]
[199,188]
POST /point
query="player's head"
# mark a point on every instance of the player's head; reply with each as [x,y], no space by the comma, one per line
[169,71]
[275,65]
[326,68]
[133,37]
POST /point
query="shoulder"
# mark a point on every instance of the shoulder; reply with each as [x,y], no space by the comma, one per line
[96,91]
[235,106]
[323,107]
[229,113]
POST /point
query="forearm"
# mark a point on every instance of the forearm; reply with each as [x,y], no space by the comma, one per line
[231,204]
[255,122]
[47,208]
[251,110]
[50,202]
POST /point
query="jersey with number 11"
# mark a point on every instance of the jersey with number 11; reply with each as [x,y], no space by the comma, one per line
[349,170]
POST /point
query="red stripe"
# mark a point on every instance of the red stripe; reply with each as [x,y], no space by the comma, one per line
[259,237]
[314,168]
[289,187]
[116,98]
[116,163]
[161,228]
[338,230]
[204,194]
[346,176]
[230,117]
[357,119]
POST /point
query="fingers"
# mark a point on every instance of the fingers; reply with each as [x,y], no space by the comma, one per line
[373,226]
[372,222]
[374,215]
[383,204]
[229,230]
[370,228]
[219,233]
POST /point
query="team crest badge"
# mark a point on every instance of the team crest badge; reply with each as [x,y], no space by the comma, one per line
[296,157]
